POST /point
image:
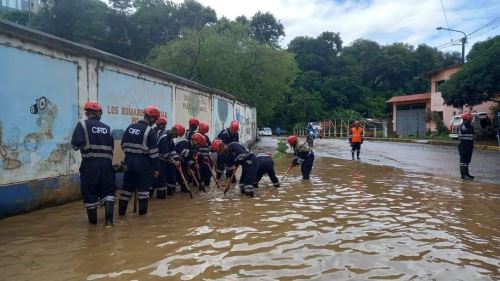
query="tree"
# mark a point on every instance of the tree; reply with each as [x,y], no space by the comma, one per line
[478,80]
[266,28]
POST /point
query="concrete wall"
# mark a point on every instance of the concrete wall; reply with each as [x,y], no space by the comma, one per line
[44,82]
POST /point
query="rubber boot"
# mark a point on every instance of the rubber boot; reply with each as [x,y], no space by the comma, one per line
[357,154]
[109,205]
[249,192]
[352,153]
[276,184]
[122,207]
[92,215]
[467,172]
[184,188]
[170,191]
[143,206]
[161,194]
[151,192]
[463,172]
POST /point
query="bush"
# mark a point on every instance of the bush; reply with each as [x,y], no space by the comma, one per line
[281,149]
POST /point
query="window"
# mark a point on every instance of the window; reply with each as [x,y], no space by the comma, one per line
[438,85]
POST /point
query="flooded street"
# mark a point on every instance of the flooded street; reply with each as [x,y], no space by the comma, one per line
[351,221]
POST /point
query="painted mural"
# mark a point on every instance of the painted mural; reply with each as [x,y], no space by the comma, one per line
[222,115]
[124,97]
[37,122]
[189,104]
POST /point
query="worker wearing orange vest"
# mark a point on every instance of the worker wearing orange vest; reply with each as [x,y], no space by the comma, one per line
[356,138]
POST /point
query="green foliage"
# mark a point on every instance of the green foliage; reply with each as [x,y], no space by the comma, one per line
[478,80]
[19,17]
[281,149]
[266,29]
[227,57]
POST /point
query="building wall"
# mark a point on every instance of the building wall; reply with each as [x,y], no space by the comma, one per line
[44,84]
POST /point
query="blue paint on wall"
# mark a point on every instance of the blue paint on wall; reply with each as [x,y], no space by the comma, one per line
[37,121]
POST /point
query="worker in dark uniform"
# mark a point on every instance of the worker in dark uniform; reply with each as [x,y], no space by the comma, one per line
[466,145]
[97,179]
[204,158]
[169,160]
[141,159]
[159,183]
[227,136]
[266,166]
[304,156]
[356,138]
[187,153]
[193,126]
[238,155]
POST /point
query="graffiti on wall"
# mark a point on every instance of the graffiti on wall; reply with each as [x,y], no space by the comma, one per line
[189,104]
[37,122]
[124,97]
[222,114]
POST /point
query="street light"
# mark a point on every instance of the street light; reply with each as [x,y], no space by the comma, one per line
[464,40]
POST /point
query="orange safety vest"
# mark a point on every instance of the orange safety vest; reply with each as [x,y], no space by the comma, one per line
[356,134]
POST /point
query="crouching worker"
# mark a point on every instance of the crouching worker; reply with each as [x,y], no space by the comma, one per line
[266,166]
[204,159]
[238,155]
[141,158]
[304,156]
[169,161]
[95,142]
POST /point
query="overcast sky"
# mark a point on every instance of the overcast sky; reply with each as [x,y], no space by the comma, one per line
[384,21]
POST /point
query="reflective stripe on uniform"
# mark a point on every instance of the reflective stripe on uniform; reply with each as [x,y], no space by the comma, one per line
[97,155]
[142,194]
[133,150]
[101,147]
[91,205]
[86,134]
[163,188]
[110,198]
[263,155]
[145,138]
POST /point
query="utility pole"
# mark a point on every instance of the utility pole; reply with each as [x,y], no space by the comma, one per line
[464,40]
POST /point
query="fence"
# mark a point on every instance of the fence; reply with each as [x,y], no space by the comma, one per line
[339,128]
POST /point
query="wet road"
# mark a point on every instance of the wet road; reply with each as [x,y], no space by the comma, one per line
[352,221]
[415,157]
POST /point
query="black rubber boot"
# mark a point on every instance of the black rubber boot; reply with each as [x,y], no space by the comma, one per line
[170,191]
[463,172]
[109,205]
[92,215]
[151,192]
[161,194]
[143,206]
[255,185]
[467,172]
[357,154]
[276,184]
[122,207]
[249,192]
[352,153]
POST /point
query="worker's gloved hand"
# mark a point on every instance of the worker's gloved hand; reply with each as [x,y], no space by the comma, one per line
[177,164]
[156,174]
[295,162]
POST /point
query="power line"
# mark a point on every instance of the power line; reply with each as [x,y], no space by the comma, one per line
[484,26]
[446,20]
[484,32]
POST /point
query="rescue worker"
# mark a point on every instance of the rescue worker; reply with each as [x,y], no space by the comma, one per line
[169,160]
[356,138]
[159,183]
[204,159]
[238,155]
[227,136]
[141,160]
[97,179]
[304,156]
[193,126]
[266,166]
[187,152]
[466,145]
[161,124]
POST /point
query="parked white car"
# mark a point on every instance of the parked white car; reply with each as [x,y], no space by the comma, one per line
[481,124]
[266,132]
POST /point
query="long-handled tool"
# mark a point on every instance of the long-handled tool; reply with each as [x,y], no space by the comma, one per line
[287,171]
[195,179]
[185,181]
[207,162]
[228,186]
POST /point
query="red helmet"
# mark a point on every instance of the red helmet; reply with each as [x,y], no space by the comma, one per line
[203,129]
[216,144]
[291,140]
[161,121]
[234,126]
[199,139]
[180,130]
[92,105]
[152,111]
[467,116]
[193,122]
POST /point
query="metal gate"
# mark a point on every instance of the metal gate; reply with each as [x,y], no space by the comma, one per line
[410,121]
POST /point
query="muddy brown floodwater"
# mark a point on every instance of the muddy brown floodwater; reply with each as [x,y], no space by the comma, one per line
[352,221]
